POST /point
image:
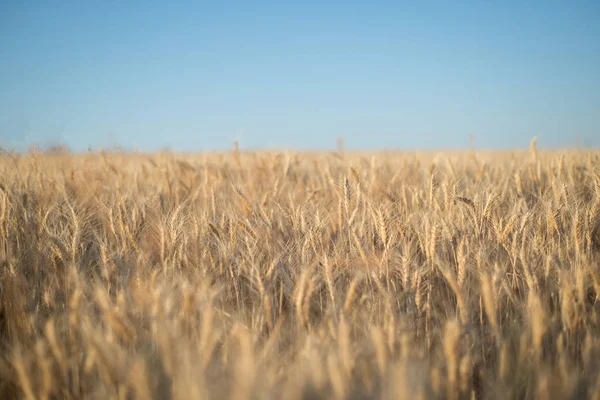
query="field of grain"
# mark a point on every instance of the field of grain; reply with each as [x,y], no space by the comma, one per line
[300,276]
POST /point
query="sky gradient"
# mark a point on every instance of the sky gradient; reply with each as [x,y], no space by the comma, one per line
[194,76]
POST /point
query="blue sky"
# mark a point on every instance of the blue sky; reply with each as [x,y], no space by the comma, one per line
[196,75]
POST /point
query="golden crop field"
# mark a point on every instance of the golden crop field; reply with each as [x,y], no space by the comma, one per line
[460,275]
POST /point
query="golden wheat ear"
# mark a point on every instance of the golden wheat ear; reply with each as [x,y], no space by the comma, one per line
[533,148]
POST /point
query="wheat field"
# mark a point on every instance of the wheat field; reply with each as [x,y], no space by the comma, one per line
[457,275]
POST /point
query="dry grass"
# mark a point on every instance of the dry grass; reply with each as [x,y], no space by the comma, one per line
[300,276]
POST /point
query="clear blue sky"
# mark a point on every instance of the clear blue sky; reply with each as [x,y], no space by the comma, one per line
[194,76]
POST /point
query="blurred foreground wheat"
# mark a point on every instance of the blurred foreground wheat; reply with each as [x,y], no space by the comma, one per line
[299,276]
